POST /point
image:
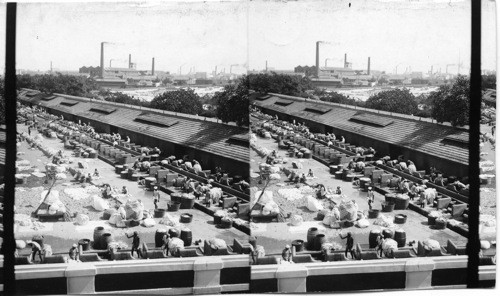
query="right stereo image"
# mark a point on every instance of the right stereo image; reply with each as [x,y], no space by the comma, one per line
[359,118]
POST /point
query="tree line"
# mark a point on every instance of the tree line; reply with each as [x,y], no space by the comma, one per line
[229,105]
[450,103]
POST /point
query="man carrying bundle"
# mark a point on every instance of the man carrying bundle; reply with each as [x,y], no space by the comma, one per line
[136,242]
[349,245]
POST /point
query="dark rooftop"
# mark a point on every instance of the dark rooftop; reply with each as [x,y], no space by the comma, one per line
[405,131]
[183,129]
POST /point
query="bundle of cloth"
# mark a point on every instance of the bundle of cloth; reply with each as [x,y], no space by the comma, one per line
[331,217]
[389,246]
[348,210]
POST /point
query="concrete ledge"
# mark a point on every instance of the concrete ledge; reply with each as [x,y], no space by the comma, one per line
[450,287]
[260,272]
[291,271]
[353,267]
[487,273]
[207,290]
[166,291]
[419,264]
[208,264]
[445,262]
[235,288]
[235,261]
[133,266]
[80,269]
[40,271]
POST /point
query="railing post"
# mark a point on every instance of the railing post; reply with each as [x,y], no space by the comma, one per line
[419,273]
[207,275]
[80,278]
[292,278]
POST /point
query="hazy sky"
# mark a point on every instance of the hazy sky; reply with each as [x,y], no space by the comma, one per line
[414,34]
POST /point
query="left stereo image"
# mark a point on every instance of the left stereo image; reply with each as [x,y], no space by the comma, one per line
[132,168]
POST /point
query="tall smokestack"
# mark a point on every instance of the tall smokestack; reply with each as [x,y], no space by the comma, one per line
[368,66]
[50,66]
[153,67]
[317,59]
[215,70]
[129,61]
[345,60]
[102,59]
[266,66]
[432,68]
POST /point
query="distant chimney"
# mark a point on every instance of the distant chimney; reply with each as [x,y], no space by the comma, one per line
[50,66]
[317,59]
[153,67]
[129,61]
[266,66]
[102,59]
[368,72]
[432,68]
[345,61]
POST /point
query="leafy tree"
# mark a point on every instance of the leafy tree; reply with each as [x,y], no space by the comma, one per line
[383,80]
[182,101]
[335,97]
[292,85]
[394,100]
[166,81]
[212,113]
[59,83]
[488,81]
[451,102]
[232,103]
[122,98]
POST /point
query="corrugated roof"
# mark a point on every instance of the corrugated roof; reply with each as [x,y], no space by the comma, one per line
[195,133]
[409,133]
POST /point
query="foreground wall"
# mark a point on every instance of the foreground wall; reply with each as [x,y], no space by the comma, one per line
[387,274]
[232,274]
[199,275]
